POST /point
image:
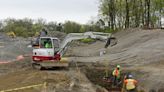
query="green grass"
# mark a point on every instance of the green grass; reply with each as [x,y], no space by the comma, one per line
[87,40]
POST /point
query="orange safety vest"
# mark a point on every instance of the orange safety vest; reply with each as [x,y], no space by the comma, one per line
[130,84]
[116,73]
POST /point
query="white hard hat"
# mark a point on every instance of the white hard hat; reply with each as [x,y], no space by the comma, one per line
[130,76]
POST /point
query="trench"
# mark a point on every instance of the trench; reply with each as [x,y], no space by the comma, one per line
[95,75]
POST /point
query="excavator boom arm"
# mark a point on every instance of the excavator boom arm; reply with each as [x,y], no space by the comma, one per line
[77,36]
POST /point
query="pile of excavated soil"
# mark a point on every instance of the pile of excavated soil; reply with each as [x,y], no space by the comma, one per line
[78,49]
[13,48]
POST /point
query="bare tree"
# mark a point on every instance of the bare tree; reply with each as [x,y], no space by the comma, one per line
[127,14]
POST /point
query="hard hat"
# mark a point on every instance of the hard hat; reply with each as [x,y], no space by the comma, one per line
[130,76]
[118,66]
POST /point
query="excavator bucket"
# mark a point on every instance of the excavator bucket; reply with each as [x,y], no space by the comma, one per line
[111,41]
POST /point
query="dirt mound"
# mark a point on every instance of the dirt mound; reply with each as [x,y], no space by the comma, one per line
[144,45]
[13,47]
[78,49]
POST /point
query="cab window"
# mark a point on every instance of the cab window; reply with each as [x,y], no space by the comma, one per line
[46,43]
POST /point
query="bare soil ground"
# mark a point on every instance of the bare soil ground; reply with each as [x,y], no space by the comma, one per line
[57,81]
[18,74]
[140,52]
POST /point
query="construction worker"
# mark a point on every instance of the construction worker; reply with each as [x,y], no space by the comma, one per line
[116,75]
[43,32]
[130,83]
[35,41]
[48,44]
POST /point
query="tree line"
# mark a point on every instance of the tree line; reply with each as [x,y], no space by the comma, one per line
[113,15]
[131,13]
[28,27]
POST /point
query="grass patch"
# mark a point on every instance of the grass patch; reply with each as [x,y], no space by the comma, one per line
[88,40]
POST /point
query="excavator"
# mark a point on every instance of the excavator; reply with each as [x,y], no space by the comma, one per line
[45,56]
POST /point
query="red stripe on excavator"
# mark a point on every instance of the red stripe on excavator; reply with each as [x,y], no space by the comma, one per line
[41,58]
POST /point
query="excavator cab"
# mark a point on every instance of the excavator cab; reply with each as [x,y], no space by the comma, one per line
[50,43]
[45,43]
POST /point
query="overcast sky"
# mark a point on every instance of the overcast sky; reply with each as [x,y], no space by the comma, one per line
[52,10]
